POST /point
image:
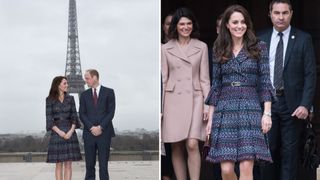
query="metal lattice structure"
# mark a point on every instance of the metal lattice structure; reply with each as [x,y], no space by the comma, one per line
[73,66]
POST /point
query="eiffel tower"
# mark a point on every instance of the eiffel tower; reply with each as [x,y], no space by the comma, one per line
[73,65]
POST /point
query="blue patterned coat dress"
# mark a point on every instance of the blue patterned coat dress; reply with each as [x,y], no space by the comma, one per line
[239,88]
[63,115]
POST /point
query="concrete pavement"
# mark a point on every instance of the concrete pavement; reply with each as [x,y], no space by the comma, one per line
[118,170]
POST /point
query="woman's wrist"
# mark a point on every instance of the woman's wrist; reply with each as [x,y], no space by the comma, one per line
[267,113]
[71,131]
[62,134]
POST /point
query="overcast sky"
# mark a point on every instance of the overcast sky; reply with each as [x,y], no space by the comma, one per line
[120,38]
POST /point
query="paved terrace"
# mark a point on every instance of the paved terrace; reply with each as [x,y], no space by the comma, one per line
[118,170]
[123,165]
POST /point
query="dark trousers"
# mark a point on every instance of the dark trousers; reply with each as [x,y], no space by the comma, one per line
[166,162]
[93,145]
[284,139]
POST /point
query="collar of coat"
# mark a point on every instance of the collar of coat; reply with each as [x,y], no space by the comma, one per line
[172,47]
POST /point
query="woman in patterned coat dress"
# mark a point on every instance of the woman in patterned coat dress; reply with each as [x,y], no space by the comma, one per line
[241,86]
[62,120]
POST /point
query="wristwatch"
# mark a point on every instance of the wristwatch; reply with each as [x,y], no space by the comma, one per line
[267,114]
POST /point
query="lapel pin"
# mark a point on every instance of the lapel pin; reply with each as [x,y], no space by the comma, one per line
[292,37]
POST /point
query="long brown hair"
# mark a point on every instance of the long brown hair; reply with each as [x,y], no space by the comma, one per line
[54,90]
[223,45]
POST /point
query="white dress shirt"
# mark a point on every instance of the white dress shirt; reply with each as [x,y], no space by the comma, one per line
[97,89]
[273,47]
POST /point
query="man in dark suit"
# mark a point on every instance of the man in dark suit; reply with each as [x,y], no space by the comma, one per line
[293,74]
[97,107]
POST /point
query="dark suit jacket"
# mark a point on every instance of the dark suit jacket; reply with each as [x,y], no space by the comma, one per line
[101,115]
[299,73]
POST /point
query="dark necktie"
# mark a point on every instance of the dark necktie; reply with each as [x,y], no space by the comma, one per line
[278,64]
[95,97]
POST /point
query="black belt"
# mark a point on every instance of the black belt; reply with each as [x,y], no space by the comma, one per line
[279,92]
[61,119]
[238,84]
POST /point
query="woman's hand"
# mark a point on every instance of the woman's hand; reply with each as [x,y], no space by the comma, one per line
[208,127]
[58,131]
[266,123]
[61,134]
[68,135]
[205,115]
[70,132]
[209,123]
[205,112]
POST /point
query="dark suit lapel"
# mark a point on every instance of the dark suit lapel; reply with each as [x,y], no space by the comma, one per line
[90,97]
[291,41]
[267,38]
[101,94]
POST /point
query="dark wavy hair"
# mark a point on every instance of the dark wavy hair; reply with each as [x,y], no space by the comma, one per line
[223,45]
[54,90]
[178,14]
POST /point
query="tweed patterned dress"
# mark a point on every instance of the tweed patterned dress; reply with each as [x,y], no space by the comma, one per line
[236,125]
[63,115]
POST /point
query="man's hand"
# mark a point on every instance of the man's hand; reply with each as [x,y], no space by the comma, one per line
[96,130]
[301,112]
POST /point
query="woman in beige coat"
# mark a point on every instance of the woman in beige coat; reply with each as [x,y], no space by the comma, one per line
[185,77]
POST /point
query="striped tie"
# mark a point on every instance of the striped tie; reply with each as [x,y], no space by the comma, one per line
[278,65]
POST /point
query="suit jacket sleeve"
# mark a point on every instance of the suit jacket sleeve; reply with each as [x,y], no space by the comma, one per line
[83,112]
[309,74]
[111,106]
[204,74]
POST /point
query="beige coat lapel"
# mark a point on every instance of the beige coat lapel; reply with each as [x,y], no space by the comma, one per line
[173,48]
[194,48]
